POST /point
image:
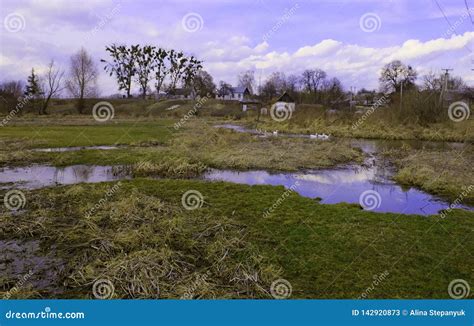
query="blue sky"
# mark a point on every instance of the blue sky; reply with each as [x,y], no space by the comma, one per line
[233,36]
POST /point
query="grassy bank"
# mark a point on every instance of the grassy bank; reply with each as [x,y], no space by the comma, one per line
[144,241]
[383,123]
[310,119]
[446,173]
[463,131]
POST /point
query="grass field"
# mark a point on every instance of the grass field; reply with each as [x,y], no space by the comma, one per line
[149,245]
[46,134]
[195,143]
[143,239]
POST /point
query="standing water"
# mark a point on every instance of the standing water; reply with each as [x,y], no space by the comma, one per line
[352,185]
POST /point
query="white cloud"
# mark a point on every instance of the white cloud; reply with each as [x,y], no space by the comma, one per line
[353,63]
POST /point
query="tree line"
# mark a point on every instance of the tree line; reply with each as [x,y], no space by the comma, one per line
[157,70]
[168,69]
[80,81]
[144,64]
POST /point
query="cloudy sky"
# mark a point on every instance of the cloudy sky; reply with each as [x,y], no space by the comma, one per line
[350,40]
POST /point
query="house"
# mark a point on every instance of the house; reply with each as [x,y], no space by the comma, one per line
[465,95]
[249,103]
[284,103]
[235,94]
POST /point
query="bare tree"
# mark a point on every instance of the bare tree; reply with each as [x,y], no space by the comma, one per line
[51,85]
[332,90]
[394,74]
[13,87]
[203,84]
[161,68]
[82,80]
[247,79]
[431,82]
[312,79]
[273,86]
[224,89]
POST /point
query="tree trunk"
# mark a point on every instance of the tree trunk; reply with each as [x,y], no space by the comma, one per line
[44,107]
[80,102]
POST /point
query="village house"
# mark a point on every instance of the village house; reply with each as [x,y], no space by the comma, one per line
[235,94]
[284,103]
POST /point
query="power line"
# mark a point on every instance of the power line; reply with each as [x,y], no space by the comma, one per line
[468,11]
[449,23]
[442,11]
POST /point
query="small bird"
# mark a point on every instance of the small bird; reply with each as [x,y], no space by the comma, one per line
[275,133]
[313,136]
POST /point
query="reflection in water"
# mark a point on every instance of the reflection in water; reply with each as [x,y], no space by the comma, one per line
[342,185]
[332,185]
[38,176]
[370,146]
[346,185]
[73,149]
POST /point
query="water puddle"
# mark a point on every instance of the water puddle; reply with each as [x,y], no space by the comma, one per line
[73,149]
[39,176]
[335,185]
[331,185]
[344,185]
[24,268]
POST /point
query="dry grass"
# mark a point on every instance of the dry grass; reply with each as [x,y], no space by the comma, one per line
[146,247]
[447,173]
[226,149]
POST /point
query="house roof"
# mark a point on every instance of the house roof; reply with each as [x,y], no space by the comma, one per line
[250,101]
[285,97]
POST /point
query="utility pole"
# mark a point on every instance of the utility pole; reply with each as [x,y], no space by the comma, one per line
[353,90]
[445,86]
[401,95]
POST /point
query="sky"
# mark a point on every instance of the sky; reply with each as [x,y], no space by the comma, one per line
[350,40]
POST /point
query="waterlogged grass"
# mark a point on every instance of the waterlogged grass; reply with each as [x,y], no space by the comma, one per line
[221,148]
[196,145]
[144,241]
[445,173]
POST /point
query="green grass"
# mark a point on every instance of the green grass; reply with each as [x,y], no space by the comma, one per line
[142,239]
[112,133]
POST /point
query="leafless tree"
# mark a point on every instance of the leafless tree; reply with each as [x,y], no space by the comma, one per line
[51,85]
[224,89]
[312,79]
[82,80]
[13,87]
[247,79]
[396,73]
[431,82]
